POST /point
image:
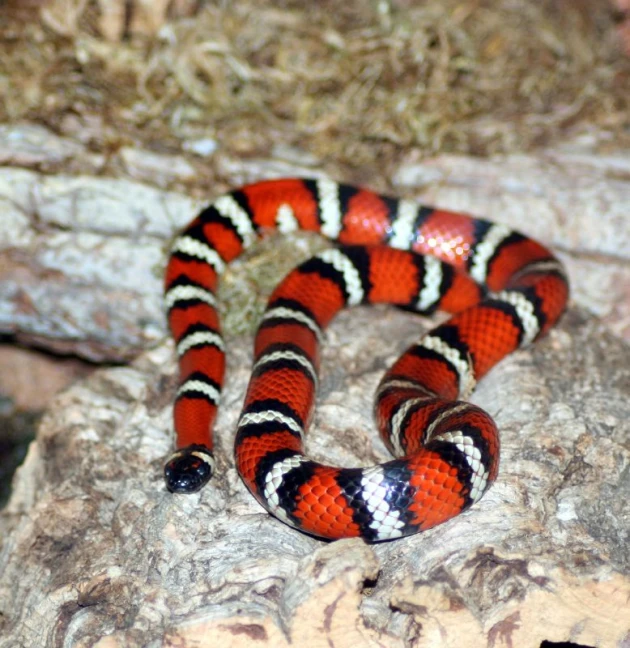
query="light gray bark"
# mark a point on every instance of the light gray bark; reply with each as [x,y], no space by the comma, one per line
[96,552]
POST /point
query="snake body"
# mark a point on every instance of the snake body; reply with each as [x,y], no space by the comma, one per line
[504,291]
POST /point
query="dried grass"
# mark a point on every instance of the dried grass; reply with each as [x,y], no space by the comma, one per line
[359,83]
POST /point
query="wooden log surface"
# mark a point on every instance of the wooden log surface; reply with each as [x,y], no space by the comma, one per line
[95,552]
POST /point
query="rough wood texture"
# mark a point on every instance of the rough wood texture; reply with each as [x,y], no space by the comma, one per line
[95,552]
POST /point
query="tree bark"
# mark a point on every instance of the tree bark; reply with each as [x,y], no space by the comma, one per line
[95,552]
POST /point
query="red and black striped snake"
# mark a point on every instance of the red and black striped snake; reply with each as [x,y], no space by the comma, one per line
[504,290]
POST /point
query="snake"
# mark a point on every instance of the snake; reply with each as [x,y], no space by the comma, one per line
[502,289]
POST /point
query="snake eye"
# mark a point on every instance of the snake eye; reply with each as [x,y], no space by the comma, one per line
[188,470]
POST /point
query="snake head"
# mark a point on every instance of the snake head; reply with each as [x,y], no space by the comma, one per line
[189,469]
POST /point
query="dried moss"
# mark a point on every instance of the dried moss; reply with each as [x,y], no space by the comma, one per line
[358,83]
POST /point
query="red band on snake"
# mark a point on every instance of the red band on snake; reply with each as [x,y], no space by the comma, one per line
[504,290]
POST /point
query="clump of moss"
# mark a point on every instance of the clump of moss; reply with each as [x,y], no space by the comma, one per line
[357,83]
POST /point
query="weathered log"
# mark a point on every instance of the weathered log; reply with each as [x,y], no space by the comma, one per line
[96,552]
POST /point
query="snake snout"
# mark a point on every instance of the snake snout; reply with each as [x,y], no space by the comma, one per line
[189,469]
